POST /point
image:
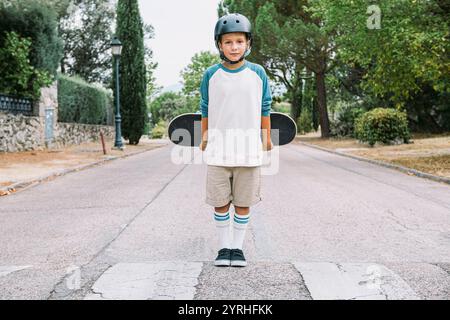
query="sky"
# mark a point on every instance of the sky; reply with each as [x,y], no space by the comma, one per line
[182,29]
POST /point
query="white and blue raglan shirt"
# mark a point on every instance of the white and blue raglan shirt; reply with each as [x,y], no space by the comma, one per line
[234,101]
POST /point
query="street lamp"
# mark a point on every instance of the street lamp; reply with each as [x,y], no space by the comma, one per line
[116,49]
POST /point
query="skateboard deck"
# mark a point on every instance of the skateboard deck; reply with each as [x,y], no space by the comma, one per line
[185,129]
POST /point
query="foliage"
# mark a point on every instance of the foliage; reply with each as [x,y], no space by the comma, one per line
[81,102]
[37,21]
[133,73]
[344,123]
[305,122]
[86,30]
[382,125]
[410,47]
[192,75]
[169,105]
[159,131]
[19,77]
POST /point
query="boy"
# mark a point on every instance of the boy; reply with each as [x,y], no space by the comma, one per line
[235,104]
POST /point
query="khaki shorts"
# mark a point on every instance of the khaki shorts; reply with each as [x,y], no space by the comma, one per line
[239,185]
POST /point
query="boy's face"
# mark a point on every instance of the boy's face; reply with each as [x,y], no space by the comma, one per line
[234,45]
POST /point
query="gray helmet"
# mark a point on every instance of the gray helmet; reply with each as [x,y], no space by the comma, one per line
[233,22]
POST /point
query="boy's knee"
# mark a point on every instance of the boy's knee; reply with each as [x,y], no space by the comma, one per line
[242,210]
[223,209]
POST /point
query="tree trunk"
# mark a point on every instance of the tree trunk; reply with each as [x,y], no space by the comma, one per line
[322,105]
[297,100]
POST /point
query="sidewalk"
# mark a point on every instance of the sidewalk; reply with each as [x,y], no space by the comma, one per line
[20,170]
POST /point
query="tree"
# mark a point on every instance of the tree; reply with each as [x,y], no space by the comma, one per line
[133,72]
[192,76]
[86,31]
[410,43]
[167,106]
[152,88]
[405,58]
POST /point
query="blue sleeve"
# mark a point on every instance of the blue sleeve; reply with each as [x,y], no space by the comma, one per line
[204,98]
[266,96]
[266,102]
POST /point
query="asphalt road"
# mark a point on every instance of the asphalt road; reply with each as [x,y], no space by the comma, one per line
[329,227]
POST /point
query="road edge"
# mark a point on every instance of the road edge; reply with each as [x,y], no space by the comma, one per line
[403,169]
[25,184]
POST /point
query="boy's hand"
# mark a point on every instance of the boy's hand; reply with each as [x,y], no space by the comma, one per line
[267,146]
[203,145]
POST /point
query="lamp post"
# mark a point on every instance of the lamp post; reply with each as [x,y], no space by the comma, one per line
[116,49]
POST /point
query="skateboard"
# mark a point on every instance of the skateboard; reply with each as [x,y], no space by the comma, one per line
[185,129]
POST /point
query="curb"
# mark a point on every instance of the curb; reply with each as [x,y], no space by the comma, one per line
[25,184]
[407,170]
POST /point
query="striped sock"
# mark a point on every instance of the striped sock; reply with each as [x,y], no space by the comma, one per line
[223,227]
[239,228]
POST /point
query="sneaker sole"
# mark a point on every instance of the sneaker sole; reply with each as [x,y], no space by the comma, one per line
[222,263]
[239,263]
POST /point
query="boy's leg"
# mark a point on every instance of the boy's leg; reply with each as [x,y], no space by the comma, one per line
[240,223]
[218,193]
[222,218]
[246,192]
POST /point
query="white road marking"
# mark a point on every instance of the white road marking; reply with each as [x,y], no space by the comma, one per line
[5,270]
[359,281]
[148,281]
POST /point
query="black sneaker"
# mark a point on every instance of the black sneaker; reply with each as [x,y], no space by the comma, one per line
[237,258]
[223,258]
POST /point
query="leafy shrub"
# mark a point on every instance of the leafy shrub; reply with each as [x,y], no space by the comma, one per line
[159,131]
[382,125]
[344,122]
[37,21]
[305,122]
[170,104]
[19,77]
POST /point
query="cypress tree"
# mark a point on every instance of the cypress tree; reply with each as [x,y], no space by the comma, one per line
[132,71]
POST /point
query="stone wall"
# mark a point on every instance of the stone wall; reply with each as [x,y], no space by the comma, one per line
[20,133]
[41,131]
[23,133]
[74,133]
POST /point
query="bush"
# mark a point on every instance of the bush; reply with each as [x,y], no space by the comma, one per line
[344,123]
[305,122]
[80,102]
[19,77]
[159,131]
[283,107]
[169,105]
[382,125]
[37,21]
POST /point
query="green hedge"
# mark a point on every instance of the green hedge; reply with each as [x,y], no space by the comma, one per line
[382,125]
[80,102]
